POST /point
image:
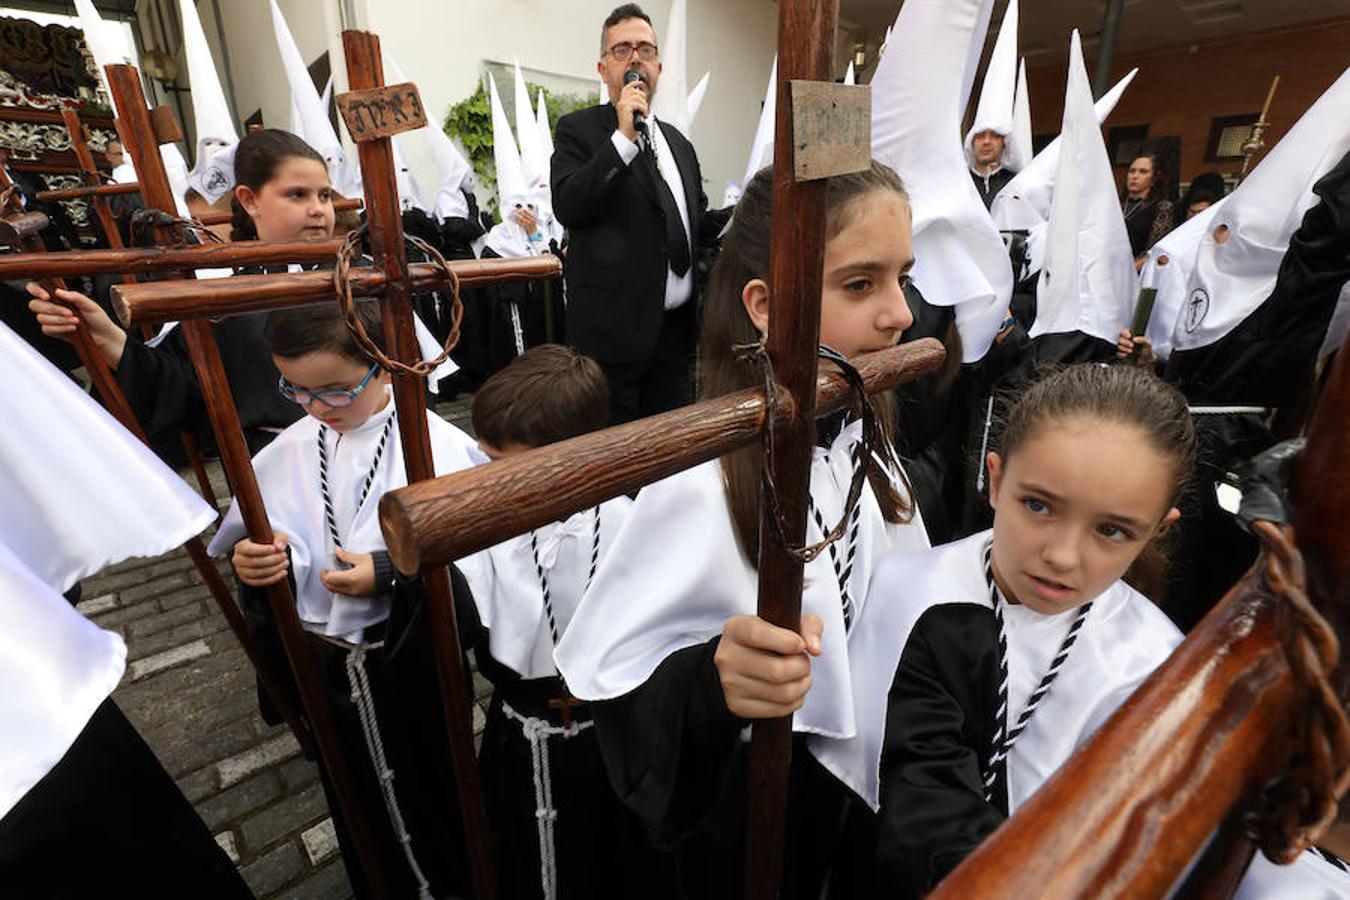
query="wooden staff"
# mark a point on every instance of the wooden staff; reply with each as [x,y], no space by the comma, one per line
[134,119]
[365,72]
[435,522]
[805,49]
[105,382]
[162,301]
[113,236]
[1198,741]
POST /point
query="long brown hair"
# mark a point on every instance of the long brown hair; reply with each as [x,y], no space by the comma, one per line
[745,256]
[256,161]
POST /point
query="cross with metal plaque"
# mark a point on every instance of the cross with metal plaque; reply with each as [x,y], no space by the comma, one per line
[823,129]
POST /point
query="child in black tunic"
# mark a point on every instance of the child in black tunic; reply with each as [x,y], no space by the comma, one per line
[552,811]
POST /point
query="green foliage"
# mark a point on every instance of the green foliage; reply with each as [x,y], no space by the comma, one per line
[470,123]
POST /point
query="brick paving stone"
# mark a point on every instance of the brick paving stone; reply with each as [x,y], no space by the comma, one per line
[227,843]
[160,661]
[320,841]
[298,772]
[275,869]
[187,753]
[147,589]
[138,647]
[267,826]
[166,619]
[239,767]
[124,614]
[199,784]
[235,802]
[95,605]
[328,883]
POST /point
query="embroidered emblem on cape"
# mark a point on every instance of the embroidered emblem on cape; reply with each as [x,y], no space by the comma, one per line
[1197,307]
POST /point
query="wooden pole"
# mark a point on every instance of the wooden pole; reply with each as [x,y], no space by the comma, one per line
[223,216]
[91,191]
[805,50]
[365,70]
[161,301]
[134,121]
[447,518]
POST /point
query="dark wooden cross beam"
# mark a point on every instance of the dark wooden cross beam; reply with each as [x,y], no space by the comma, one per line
[134,121]
[105,382]
[222,216]
[1196,745]
[493,502]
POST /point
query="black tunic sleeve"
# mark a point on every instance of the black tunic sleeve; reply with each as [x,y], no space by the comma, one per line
[670,744]
[939,722]
[159,383]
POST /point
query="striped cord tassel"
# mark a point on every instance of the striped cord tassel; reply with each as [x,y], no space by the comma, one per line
[543,576]
[323,483]
[1001,713]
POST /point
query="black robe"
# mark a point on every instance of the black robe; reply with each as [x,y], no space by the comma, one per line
[674,755]
[108,821]
[600,846]
[412,727]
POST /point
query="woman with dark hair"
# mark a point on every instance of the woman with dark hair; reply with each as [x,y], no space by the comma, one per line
[1148,214]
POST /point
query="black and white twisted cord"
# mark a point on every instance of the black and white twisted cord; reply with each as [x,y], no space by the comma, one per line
[543,576]
[843,569]
[1005,737]
[328,514]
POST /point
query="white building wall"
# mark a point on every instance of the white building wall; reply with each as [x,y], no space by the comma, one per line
[443,44]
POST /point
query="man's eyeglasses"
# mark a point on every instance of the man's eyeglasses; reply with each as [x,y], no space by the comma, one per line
[334,399]
[623,51]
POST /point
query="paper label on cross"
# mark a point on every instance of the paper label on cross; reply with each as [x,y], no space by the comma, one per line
[831,129]
[383,111]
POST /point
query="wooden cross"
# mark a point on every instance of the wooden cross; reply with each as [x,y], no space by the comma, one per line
[564,703]
[431,523]
[393,280]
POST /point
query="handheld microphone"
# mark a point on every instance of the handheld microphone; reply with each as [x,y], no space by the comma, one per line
[639,120]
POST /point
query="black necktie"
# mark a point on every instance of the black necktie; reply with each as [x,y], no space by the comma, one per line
[677,242]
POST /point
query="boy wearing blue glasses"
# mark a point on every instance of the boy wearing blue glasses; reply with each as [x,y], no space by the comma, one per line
[321,480]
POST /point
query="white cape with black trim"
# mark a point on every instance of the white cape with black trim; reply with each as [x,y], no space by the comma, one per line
[80,493]
[510,597]
[1124,638]
[288,477]
[676,574]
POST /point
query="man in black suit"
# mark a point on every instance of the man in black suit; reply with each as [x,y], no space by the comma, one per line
[631,199]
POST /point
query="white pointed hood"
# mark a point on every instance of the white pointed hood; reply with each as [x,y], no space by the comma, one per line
[995,109]
[1171,260]
[542,124]
[309,117]
[507,238]
[1233,278]
[1020,139]
[1088,283]
[761,149]
[533,156]
[212,174]
[1024,202]
[696,97]
[411,193]
[960,259]
[849,76]
[984,12]
[672,95]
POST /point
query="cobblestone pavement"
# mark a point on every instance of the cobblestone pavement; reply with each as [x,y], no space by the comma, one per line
[189,690]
